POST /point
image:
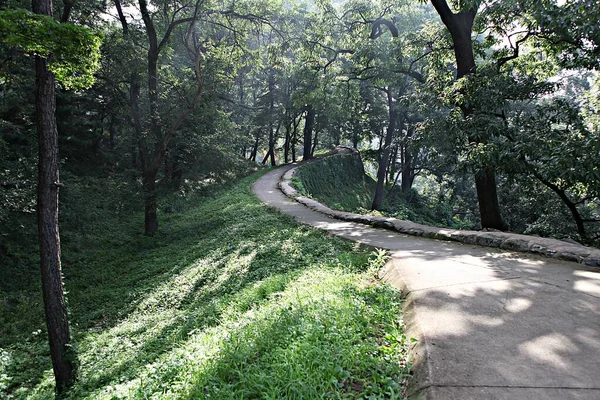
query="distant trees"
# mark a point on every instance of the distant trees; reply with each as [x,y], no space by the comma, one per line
[191,49]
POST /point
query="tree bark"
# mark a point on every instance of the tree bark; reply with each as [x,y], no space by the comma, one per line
[487,196]
[308,128]
[314,144]
[408,172]
[286,144]
[385,153]
[55,307]
[392,167]
[255,147]
[272,135]
[294,139]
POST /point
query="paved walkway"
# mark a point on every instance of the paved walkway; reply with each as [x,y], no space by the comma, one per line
[490,324]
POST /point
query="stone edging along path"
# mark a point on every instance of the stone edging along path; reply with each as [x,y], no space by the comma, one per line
[552,248]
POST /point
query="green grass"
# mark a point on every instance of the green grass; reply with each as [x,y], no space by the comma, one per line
[340,183]
[230,300]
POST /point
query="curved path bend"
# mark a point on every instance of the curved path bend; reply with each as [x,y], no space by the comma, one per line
[490,324]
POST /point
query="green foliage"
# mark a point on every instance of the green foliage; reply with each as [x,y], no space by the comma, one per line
[73,51]
[533,209]
[341,183]
[231,300]
[337,181]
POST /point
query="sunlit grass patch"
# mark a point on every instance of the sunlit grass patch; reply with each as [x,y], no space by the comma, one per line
[323,335]
[230,300]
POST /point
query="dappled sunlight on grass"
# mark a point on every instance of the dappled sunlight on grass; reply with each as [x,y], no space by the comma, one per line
[229,300]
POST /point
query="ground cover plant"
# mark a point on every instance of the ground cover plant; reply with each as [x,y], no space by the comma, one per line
[229,300]
[340,182]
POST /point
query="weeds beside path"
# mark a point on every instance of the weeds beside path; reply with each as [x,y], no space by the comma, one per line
[230,300]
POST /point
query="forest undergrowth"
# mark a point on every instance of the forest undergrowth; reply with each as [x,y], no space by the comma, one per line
[341,183]
[229,300]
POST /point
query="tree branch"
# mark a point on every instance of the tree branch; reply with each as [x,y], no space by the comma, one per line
[68,6]
[172,26]
[376,30]
[515,49]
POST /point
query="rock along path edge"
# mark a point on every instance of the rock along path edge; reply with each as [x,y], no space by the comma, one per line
[489,324]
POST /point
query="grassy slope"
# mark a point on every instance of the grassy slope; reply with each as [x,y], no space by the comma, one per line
[340,183]
[231,300]
[337,181]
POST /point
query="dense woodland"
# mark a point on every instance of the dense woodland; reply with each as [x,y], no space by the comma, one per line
[484,113]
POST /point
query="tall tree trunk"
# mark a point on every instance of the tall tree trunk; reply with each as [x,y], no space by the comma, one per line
[385,153]
[55,307]
[460,26]
[392,167]
[294,139]
[254,151]
[408,174]
[286,144]
[150,167]
[272,135]
[487,197]
[308,128]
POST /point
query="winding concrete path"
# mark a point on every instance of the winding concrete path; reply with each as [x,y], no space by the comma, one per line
[490,324]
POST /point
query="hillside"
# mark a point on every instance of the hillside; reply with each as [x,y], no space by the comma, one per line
[230,300]
[340,182]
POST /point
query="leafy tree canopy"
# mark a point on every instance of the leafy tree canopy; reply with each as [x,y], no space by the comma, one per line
[73,51]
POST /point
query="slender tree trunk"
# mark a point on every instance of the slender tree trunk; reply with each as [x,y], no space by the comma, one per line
[314,145]
[294,139]
[286,144]
[255,147]
[385,153]
[408,175]
[55,307]
[308,128]
[167,168]
[392,167]
[272,135]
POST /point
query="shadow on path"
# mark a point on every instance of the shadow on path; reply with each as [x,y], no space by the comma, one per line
[491,324]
